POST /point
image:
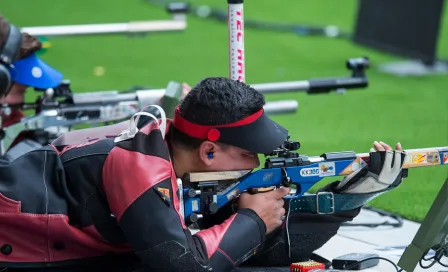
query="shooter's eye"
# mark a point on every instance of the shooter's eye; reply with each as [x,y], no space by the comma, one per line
[252,155]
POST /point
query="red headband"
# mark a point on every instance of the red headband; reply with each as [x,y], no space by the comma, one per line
[210,133]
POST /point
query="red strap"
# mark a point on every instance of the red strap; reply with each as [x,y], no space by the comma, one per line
[210,133]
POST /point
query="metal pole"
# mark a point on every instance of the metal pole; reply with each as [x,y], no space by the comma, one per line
[236,40]
[237,57]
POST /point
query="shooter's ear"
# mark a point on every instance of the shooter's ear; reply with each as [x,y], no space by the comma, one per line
[206,152]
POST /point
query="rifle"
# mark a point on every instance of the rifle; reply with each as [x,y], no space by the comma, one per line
[58,109]
[207,192]
[177,23]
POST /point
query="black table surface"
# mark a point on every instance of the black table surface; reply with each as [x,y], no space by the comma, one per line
[262,269]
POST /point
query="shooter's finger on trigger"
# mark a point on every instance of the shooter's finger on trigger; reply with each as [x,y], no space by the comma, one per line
[283,191]
[244,194]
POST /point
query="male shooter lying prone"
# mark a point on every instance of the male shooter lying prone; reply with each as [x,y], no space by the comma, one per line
[113,204]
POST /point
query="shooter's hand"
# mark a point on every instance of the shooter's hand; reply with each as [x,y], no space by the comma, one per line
[384,170]
[268,206]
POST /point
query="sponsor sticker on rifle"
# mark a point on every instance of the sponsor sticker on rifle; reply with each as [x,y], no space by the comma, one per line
[194,206]
[309,172]
[407,158]
[354,166]
[327,169]
[445,158]
[419,158]
[433,157]
[268,176]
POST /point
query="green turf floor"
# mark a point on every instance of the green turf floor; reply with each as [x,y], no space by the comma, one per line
[413,111]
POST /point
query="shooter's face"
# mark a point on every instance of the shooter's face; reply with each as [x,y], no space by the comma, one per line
[228,158]
[16,95]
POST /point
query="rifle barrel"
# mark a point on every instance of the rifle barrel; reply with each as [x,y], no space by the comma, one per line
[110,97]
[281,107]
[277,87]
[150,97]
[313,86]
[114,28]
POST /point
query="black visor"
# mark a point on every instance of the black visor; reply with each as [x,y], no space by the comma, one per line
[256,133]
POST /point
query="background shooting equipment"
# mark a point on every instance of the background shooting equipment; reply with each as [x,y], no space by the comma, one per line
[431,236]
[177,23]
[236,25]
[58,109]
[357,80]
[220,15]
[205,193]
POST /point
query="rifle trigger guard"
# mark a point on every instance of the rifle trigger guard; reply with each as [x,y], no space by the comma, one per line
[286,180]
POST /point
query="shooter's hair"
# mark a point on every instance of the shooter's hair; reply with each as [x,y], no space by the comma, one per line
[216,101]
[30,44]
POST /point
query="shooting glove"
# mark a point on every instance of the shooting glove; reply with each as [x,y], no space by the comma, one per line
[384,171]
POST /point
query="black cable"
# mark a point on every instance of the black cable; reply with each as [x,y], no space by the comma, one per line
[427,259]
[435,259]
[397,218]
[429,266]
[439,255]
[204,11]
[373,258]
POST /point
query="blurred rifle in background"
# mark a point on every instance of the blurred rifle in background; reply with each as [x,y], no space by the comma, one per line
[177,23]
[59,110]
